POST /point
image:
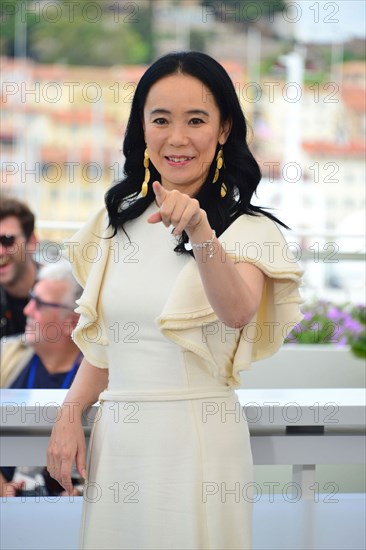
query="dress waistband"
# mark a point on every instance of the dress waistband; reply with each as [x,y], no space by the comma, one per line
[166,395]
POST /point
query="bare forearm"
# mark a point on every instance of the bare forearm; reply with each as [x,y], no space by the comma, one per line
[233,290]
[89,382]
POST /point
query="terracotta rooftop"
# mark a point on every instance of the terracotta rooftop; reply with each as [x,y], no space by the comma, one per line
[350,148]
[354,97]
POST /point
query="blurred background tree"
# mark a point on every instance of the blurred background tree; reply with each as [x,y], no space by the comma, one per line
[79,33]
[245,12]
[121,32]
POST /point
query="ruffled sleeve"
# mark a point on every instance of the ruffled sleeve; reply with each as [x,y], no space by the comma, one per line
[189,320]
[88,252]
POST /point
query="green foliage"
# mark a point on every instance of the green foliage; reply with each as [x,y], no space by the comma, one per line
[320,77]
[327,323]
[15,19]
[197,40]
[350,55]
[359,346]
[244,12]
[84,33]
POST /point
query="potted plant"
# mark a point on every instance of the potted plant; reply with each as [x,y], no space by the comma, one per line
[326,350]
[328,323]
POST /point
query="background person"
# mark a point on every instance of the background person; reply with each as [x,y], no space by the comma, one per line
[18,269]
[183,215]
[44,357]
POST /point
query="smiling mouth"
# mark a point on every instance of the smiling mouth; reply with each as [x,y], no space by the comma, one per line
[178,160]
[4,261]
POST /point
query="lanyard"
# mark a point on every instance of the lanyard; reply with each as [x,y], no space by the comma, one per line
[67,380]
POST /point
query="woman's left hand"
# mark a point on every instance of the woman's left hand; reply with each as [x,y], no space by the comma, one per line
[177,209]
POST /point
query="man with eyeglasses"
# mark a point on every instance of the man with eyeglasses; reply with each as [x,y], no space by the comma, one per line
[18,269]
[45,356]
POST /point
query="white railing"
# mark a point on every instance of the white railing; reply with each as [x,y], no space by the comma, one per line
[292,426]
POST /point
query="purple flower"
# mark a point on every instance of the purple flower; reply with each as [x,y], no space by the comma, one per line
[342,341]
[352,325]
[334,314]
[325,322]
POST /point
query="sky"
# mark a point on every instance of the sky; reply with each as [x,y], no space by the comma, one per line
[325,21]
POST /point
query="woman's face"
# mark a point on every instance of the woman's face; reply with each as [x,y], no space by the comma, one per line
[182,129]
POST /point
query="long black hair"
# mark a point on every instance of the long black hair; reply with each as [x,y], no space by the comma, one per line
[240,173]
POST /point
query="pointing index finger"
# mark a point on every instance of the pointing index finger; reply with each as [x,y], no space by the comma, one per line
[160,192]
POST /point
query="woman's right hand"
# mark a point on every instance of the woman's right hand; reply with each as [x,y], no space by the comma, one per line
[67,443]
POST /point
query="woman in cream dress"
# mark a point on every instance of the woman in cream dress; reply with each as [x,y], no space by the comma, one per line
[185,284]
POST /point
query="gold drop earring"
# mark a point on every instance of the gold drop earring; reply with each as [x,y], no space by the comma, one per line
[144,186]
[219,165]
